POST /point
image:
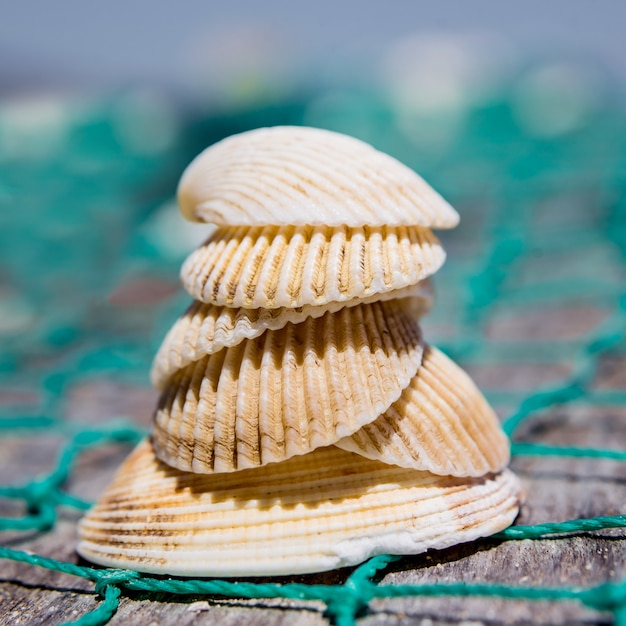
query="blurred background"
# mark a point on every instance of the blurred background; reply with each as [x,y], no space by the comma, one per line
[514,111]
[194,49]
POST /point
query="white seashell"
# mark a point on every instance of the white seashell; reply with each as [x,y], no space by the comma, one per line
[288,391]
[324,510]
[297,175]
[272,267]
[204,329]
[441,423]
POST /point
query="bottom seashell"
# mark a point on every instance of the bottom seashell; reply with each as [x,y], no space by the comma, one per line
[317,512]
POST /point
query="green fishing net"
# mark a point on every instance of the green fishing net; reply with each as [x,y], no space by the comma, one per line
[532,299]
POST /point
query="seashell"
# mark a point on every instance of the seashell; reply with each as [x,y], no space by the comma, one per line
[204,329]
[441,423]
[324,510]
[288,391]
[304,334]
[273,267]
[297,175]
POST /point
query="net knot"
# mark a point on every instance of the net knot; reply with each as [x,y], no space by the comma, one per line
[38,493]
[345,606]
[114,577]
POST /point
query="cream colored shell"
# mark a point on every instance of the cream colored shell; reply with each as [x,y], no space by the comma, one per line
[288,391]
[327,509]
[441,423]
[304,334]
[204,329]
[298,175]
[273,267]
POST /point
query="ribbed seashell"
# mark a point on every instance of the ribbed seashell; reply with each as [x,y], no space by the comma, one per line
[204,329]
[288,391]
[291,266]
[298,175]
[441,423]
[327,509]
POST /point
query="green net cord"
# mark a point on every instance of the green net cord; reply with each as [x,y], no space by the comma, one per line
[343,603]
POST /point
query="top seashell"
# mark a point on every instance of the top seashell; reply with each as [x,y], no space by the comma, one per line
[290,175]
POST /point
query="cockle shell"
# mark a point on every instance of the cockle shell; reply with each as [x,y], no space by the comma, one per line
[327,509]
[441,423]
[204,329]
[304,334]
[288,391]
[297,175]
[291,266]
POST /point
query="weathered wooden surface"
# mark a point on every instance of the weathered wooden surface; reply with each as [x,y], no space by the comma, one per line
[556,489]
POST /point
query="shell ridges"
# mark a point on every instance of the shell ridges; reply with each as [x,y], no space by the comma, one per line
[272,267]
[441,423]
[287,391]
[204,328]
[300,175]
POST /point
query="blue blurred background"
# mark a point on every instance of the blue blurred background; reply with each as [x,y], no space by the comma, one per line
[198,47]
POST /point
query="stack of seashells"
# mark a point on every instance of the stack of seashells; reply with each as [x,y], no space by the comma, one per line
[304,424]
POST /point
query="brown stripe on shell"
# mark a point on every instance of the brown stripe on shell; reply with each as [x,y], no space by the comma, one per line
[305,385]
[441,423]
[300,266]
